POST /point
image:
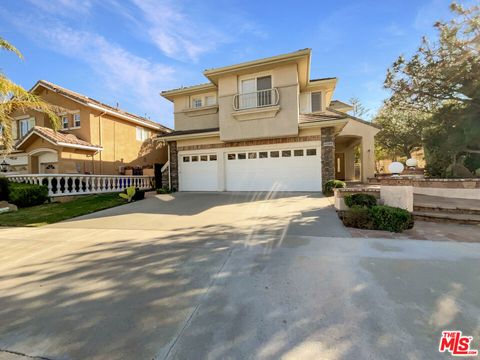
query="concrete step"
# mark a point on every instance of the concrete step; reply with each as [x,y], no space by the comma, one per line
[437,216]
[445,208]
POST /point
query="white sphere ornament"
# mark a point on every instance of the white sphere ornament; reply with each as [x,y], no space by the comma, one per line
[412,163]
[395,167]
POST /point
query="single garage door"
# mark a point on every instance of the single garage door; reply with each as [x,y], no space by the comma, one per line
[294,169]
[198,172]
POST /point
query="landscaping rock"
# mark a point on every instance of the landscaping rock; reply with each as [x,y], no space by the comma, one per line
[6,207]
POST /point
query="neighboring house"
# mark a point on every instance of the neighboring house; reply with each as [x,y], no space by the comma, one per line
[265,125]
[94,138]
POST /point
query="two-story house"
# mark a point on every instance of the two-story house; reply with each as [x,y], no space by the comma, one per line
[264,125]
[94,138]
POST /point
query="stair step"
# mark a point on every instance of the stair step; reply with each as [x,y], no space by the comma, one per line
[446,209]
[447,217]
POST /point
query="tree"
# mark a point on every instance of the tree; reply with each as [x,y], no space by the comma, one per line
[442,81]
[401,132]
[359,110]
[13,97]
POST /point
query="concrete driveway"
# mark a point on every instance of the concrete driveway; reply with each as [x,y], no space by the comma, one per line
[229,276]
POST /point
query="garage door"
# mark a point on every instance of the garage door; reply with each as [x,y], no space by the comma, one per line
[297,169]
[198,172]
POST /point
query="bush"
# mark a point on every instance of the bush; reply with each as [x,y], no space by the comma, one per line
[357,217]
[362,200]
[333,184]
[4,188]
[390,218]
[165,190]
[25,195]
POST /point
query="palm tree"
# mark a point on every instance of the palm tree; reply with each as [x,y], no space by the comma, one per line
[14,97]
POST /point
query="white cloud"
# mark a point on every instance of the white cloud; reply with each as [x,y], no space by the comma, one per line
[120,73]
[63,7]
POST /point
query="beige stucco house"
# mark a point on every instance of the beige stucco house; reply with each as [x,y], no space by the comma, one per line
[265,125]
[94,138]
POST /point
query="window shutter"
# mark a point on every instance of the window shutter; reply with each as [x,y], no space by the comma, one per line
[316,101]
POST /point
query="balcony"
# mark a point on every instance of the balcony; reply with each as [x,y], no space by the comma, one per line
[256,105]
[256,99]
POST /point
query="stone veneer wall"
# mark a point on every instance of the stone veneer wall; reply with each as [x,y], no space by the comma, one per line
[173,165]
[328,154]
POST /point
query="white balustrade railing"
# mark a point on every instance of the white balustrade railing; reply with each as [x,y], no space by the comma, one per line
[79,184]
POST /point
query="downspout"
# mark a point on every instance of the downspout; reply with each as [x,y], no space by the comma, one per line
[100,138]
[169,167]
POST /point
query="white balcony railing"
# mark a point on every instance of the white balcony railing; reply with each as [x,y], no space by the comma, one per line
[260,98]
[79,184]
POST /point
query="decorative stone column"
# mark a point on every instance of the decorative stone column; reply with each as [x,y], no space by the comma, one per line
[328,154]
[173,164]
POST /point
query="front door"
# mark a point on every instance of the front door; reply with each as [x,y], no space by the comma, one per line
[340,166]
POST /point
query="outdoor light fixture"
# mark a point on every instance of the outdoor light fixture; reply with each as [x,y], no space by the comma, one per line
[396,168]
[412,163]
[4,166]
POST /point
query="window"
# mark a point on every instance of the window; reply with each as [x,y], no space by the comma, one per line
[263,154]
[65,122]
[76,120]
[242,156]
[298,152]
[26,125]
[210,100]
[274,154]
[186,159]
[231,156]
[213,157]
[194,158]
[316,101]
[204,158]
[254,92]
[142,134]
[252,155]
[311,152]
[286,153]
[196,102]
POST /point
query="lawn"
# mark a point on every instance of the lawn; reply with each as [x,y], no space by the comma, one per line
[55,212]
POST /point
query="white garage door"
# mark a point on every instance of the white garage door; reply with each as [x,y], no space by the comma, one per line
[288,169]
[198,172]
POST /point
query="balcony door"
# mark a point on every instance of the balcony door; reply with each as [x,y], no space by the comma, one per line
[254,92]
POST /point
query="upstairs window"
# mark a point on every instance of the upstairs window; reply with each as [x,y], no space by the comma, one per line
[210,100]
[142,134]
[65,122]
[196,102]
[316,101]
[26,125]
[76,120]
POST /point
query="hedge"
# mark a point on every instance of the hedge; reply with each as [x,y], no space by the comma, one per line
[363,200]
[333,184]
[25,195]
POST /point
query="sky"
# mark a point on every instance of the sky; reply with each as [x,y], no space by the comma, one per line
[128,51]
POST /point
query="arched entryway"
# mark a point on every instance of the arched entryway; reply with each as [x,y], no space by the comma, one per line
[43,161]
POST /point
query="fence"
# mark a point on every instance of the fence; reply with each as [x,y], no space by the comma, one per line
[73,184]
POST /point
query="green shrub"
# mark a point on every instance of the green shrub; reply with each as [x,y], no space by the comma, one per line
[4,188]
[333,184]
[357,217]
[362,200]
[164,190]
[390,218]
[25,195]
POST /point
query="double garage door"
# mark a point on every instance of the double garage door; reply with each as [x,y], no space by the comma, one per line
[260,169]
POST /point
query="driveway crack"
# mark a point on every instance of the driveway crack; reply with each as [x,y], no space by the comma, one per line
[24,355]
[204,295]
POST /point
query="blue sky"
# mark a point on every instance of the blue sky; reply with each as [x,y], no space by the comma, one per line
[127,51]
